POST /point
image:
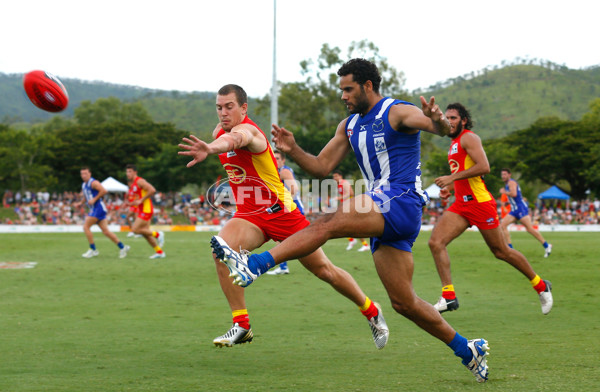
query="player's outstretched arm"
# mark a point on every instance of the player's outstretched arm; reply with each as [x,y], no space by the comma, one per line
[318,166]
[240,136]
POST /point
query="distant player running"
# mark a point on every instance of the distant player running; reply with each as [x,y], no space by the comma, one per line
[142,192]
[474,206]
[518,211]
[93,191]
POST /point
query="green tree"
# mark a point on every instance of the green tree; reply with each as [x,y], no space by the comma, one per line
[554,150]
[22,155]
[312,109]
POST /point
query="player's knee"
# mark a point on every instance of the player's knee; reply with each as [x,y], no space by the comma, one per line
[435,244]
[325,272]
[405,308]
[500,253]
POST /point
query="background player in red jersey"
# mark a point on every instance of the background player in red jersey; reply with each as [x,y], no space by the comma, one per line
[142,192]
[264,210]
[474,205]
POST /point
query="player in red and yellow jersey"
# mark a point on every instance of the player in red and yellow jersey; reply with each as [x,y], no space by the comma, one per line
[473,206]
[264,210]
[140,196]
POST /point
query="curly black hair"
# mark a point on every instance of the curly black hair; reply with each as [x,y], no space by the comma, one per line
[462,112]
[361,70]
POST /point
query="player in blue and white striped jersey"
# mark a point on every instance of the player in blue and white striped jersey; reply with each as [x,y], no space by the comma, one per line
[384,134]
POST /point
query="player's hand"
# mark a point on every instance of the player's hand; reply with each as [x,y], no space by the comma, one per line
[283,139]
[431,109]
[445,193]
[444,181]
[195,148]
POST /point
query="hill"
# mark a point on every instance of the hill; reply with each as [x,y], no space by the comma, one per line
[501,100]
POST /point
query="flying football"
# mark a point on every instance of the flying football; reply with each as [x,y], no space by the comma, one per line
[45,91]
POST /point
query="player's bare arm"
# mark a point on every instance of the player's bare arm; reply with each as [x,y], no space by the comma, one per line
[318,166]
[410,119]
[150,191]
[101,191]
[472,145]
[240,136]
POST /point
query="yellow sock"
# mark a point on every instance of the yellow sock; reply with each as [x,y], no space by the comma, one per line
[535,281]
[239,312]
[450,287]
[155,234]
[365,243]
[366,305]
[157,249]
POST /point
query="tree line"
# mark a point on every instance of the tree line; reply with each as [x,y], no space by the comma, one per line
[109,133]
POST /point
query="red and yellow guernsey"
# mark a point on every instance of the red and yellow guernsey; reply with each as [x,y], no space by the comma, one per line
[255,181]
[136,193]
[469,189]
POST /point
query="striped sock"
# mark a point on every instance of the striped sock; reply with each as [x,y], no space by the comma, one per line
[241,317]
[369,310]
[538,284]
[448,292]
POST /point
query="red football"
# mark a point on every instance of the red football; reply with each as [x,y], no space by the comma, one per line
[45,91]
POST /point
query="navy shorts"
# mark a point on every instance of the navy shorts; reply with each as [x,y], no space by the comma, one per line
[402,209]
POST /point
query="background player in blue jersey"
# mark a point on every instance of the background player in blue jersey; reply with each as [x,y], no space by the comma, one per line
[384,134]
[518,211]
[93,191]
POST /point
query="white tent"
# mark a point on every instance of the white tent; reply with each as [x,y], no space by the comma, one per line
[433,191]
[113,185]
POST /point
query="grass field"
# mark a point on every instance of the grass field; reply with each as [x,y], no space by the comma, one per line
[134,324]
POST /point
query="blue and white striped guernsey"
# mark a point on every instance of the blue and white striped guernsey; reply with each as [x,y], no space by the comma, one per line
[386,157]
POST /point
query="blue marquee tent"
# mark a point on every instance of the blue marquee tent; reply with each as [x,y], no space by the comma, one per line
[553,193]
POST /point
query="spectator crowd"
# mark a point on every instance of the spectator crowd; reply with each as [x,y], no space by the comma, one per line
[65,208]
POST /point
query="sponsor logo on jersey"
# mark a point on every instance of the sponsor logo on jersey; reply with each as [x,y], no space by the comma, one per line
[454,166]
[453,149]
[236,173]
[377,125]
[380,144]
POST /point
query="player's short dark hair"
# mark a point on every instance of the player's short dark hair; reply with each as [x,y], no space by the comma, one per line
[240,94]
[506,170]
[337,171]
[131,166]
[280,153]
[85,168]
[462,112]
[361,71]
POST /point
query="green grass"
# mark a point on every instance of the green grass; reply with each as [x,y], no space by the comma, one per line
[107,324]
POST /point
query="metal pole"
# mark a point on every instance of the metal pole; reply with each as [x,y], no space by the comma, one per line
[274,89]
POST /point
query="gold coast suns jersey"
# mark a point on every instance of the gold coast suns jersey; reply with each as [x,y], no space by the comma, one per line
[469,189]
[254,180]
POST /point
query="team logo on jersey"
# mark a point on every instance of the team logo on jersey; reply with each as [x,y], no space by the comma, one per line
[454,166]
[231,154]
[349,132]
[377,125]
[363,128]
[236,173]
[379,144]
[453,149]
